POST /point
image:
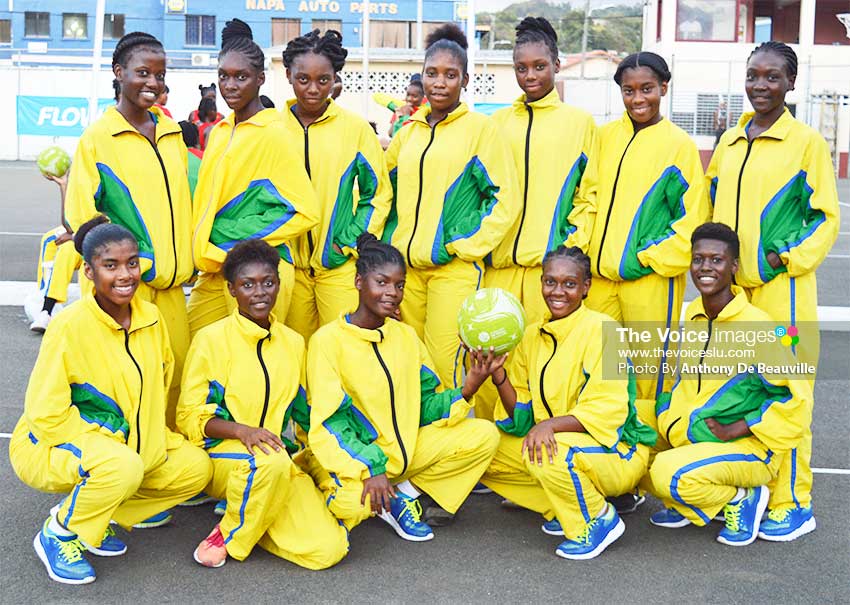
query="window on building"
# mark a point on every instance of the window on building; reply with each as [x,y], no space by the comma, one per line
[695,112]
[200,30]
[390,34]
[784,18]
[5,31]
[36,25]
[113,26]
[828,28]
[284,30]
[707,20]
[324,25]
[75,26]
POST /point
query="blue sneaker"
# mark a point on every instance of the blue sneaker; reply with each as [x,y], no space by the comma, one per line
[743,518]
[597,536]
[553,527]
[405,518]
[480,488]
[787,523]
[111,546]
[669,517]
[63,557]
[197,500]
[158,520]
[220,508]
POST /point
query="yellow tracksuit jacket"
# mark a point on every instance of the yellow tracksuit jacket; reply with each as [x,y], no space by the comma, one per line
[548,180]
[251,186]
[345,163]
[646,190]
[701,473]
[454,188]
[143,187]
[557,370]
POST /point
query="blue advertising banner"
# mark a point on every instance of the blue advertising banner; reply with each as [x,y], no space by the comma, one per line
[56,116]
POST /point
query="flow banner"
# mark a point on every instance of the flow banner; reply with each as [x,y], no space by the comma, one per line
[56,116]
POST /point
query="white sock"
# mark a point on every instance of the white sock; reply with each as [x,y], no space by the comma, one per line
[406,488]
[56,529]
[738,495]
[603,511]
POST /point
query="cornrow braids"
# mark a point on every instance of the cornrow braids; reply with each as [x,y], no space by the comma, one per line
[644,59]
[131,42]
[450,38]
[783,50]
[247,252]
[328,45]
[573,253]
[373,253]
[116,89]
[537,29]
[237,37]
[98,232]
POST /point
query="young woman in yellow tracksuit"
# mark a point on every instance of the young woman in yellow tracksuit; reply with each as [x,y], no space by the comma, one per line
[381,427]
[251,184]
[131,166]
[270,501]
[94,418]
[346,165]
[455,200]
[645,189]
[729,430]
[580,429]
[771,179]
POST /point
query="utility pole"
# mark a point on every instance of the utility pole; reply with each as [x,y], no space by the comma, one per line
[584,35]
[470,53]
[95,61]
[366,42]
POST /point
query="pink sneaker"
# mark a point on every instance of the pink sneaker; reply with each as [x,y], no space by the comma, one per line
[212,552]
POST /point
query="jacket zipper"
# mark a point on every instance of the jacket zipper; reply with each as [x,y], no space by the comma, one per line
[543,372]
[392,407]
[611,205]
[170,209]
[266,376]
[740,177]
[310,244]
[419,194]
[704,349]
[525,191]
[141,388]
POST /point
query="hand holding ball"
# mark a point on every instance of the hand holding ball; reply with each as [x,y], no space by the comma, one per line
[53,161]
[491,317]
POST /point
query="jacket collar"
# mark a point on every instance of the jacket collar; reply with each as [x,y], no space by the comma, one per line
[248,329]
[421,115]
[331,111]
[550,100]
[261,118]
[362,333]
[630,127]
[141,315]
[736,305]
[118,124]
[561,328]
[778,131]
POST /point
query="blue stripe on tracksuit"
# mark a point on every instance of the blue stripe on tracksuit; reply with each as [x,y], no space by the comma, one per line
[247,493]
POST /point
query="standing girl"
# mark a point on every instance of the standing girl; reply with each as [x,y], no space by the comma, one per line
[251,184]
[94,418]
[455,199]
[131,166]
[345,162]
[772,180]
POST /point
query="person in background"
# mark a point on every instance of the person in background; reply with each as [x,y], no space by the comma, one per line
[209,118]
[207,92]
[190,137]
[162,100]
[721,121]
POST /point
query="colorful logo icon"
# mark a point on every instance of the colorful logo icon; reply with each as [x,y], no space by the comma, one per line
[787,336]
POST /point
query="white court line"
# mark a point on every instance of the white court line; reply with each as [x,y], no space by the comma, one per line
[21,233]
[844,204]
[838,255]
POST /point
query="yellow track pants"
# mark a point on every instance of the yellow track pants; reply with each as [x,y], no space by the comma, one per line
[56,266]
[105,479]
[446,465]
[793,301]
[432,299]
[652,300]
[699,479]
[575,486]
[210,300]
[273,503]
[321,297]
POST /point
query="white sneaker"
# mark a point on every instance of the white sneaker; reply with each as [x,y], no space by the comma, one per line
[39,324]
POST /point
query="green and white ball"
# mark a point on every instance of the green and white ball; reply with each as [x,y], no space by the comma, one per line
[491,317]
[54,161]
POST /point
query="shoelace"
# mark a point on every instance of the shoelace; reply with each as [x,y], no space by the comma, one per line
[71,551]
[779,514]
[216,539]
[584,538]
[109,533]
[732,515]
[414,507]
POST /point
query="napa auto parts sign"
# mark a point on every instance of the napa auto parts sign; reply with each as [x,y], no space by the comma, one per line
[56,116]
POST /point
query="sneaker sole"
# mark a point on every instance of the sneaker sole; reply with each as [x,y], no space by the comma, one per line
[671,525]
[761,506]
[155,524]
[549,532]
[38,329]
[612,536]
[481,492]
[190,503]
[39,550]
[388,518]
[103,553]
[199,562]
[806,528]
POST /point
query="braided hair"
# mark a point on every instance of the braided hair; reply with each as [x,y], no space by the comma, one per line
[132,42]
[450,38]
[328,45]
[247,252]
[373,253]
[237,37]
[783,50]
[97,233]
[644,59]
[573,253]
[207,89]
[116,89]
[537,29]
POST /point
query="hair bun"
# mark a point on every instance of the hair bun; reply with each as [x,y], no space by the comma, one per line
[538,25]
[365,240]
[81,233]
[450,32]
[234,30]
